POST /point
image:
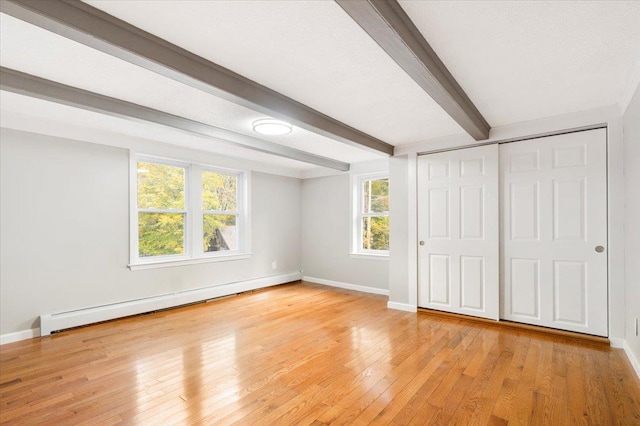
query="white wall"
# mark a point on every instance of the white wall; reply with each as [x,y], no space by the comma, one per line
[65,239]
[326,236]
[402,271]
[399,229]
[631,123]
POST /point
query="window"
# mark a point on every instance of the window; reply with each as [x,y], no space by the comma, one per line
[371,222]
[186,212]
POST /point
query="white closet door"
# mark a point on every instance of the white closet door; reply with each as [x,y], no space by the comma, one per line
[458,231]
[554,232]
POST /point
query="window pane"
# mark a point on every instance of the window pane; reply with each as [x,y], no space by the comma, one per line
[219,191]
[376,196]
[160,186]
[219,232]
[160,234]
[375,233]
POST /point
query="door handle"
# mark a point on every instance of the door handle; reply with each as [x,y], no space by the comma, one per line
[599,249]
[421,243]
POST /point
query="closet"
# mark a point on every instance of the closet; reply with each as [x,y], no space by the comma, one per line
[458,226]
[517,231]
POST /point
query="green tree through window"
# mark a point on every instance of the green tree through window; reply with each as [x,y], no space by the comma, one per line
[161,209]
[219,211]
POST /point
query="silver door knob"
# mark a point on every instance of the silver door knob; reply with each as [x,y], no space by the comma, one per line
[599,249]
[421,243]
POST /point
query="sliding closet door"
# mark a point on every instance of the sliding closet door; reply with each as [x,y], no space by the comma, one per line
[554,232]
[458,231]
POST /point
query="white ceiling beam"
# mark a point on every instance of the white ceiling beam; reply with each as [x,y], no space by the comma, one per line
[388,24]
[29,85]
[88,25]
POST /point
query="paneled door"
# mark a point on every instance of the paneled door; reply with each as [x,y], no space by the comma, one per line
[554,232]
[458,231]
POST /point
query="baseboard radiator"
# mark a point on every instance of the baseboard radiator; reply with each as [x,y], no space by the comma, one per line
[64,320]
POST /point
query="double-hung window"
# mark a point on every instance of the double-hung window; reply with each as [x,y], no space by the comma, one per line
[371,221]
[185,212]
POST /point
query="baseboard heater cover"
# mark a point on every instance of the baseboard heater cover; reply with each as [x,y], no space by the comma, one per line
[64,320]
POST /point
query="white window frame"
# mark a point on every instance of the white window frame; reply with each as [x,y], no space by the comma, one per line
[357,208]
[193,230]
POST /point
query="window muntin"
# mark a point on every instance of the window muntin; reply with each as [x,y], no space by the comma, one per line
[373,215]
[186,211]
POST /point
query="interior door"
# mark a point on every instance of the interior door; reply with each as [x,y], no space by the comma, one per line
[458,231]
[554,232]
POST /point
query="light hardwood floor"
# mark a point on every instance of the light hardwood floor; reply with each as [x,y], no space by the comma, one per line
[308,354]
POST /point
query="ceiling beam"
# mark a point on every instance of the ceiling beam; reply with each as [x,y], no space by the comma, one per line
[88,25]
[29,85]
[388,24]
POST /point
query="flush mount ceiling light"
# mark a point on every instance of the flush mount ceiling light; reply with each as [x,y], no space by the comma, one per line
[272,127]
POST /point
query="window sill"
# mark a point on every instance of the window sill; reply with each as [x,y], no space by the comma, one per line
[369,256]
[185,262]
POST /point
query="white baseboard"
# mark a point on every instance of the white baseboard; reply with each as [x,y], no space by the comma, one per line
[632,358]
[616,342]
[402,306]
[64,320]
[347,286]
[19,335]
[622,344]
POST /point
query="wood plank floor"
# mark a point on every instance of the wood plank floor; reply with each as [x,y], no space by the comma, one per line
[308,354]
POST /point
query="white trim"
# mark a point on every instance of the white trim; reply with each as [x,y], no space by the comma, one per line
[444,142]
[347,286]
[412,228]
[622,344]
[616,303]
[527,129]
[632,85]
[632,357]
[64,320]
[401,307]
[616,342]
[353,212]
[19,335]
[184,262]
[370,256]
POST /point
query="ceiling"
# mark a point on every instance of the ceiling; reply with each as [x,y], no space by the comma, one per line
[516,61]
